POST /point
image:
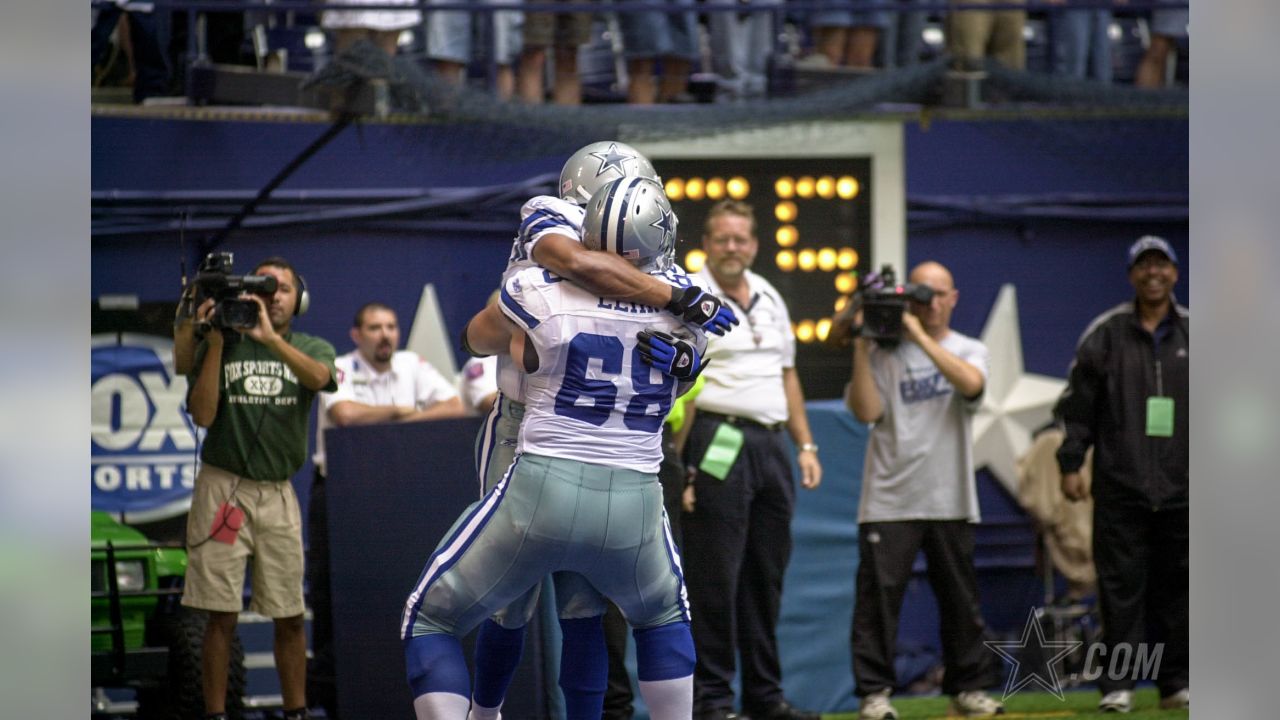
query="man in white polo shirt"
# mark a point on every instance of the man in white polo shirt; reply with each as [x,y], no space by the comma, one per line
[376,384]
[738,535]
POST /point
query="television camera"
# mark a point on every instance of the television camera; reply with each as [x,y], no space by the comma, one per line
[882,301]
[214,279]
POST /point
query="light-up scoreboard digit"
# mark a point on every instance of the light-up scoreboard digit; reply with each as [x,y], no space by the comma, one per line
[813,223]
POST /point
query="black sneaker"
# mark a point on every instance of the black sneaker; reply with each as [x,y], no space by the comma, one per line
[783,710]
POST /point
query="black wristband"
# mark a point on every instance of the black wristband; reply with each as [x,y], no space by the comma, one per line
[680,300]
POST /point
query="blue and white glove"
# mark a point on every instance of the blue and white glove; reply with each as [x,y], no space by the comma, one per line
[695,305]
[673,356]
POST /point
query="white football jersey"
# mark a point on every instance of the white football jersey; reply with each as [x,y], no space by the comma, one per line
[539,216]
[592,398]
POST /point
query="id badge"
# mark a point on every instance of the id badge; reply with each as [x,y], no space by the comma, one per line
[722,452]
[1159,416]
[226,524]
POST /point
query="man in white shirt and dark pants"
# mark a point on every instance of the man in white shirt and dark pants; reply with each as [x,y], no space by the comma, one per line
[376,384]
[919,492]
[737,530]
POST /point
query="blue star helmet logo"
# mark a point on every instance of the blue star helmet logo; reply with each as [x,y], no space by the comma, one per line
[612,159]
[666,224]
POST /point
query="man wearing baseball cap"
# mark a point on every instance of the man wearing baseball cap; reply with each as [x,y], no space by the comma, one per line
[1127,396]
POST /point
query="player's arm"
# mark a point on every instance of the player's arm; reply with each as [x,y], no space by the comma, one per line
[350,412]
[861,394]
[184,333]
[964,376]
[798,428]
[450,408]
[602,273]
[1077,408]
[202,401]
[608,275]
[489,333]
[312,374]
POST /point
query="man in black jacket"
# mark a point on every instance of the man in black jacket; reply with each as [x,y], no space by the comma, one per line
[1128,397]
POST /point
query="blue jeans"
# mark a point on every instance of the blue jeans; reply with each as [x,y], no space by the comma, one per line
[741,48]
[1081,46]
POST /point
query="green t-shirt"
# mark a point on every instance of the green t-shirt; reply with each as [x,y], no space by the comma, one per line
[260,431]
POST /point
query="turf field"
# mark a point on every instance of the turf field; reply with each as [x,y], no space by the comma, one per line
[1026,704]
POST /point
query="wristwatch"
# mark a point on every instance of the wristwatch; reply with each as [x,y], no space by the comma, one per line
[809,447]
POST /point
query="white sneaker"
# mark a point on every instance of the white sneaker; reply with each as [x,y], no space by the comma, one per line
[975,703]
[876,707]
[1118,701]
[1180,700]
[479,712]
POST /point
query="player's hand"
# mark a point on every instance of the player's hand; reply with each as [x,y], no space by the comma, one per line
[911,327]
[263,332]
[204,321]
[695,305]
[810,470]
[689,500]
[674,356]
[846,323]
[185,312]
[1073,487]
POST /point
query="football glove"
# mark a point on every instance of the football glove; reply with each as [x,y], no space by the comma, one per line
[695,305]
[673,356]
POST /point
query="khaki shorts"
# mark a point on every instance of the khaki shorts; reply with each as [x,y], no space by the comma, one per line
[561,30]
[271,535]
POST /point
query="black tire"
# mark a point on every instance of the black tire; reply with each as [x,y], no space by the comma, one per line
[181,696]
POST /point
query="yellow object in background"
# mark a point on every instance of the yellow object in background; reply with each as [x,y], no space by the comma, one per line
[677,415]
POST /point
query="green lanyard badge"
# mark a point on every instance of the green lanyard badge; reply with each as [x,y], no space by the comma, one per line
[722,452]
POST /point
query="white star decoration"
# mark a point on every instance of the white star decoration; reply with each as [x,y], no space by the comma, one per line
[1015,403]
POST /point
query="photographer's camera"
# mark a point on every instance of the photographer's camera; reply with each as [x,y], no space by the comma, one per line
[883,302]
[230,311]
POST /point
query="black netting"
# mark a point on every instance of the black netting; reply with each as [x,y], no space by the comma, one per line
[1056,90]
[516,129]
[553,128]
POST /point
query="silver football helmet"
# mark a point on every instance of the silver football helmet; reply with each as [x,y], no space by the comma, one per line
[593,166]
[633,218]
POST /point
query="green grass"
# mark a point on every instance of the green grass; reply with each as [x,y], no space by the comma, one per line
[1024,704]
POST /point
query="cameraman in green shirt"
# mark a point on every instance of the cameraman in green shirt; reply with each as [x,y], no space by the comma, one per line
[252,388]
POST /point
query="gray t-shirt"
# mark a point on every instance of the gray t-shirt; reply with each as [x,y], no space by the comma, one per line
[919,462]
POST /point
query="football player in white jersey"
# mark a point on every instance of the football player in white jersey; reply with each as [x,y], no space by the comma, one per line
[550,237]
[582,495]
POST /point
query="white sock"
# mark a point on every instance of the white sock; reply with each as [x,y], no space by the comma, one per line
[441,706]
[668,699]
[480,712]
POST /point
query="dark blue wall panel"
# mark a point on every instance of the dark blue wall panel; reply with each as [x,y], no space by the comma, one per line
[1023,156]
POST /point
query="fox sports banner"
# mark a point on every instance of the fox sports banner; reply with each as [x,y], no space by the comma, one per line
[144,444]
